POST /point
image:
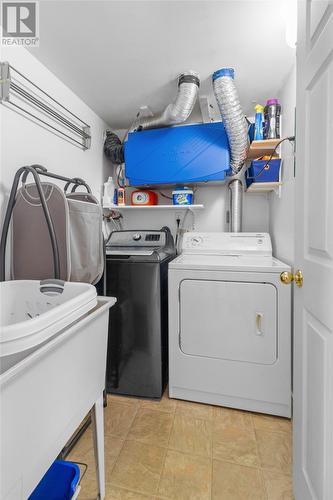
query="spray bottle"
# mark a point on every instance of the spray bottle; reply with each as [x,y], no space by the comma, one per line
[259,123]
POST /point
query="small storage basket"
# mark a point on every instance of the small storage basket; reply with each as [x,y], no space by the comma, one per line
[263,171]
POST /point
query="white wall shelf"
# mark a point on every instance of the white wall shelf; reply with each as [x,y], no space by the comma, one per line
[155,207]
[265,187]
[262,148]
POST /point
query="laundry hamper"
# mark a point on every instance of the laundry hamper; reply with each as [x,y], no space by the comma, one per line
[77,223]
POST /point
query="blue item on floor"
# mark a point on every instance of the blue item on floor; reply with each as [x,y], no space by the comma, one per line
[58,483]
[177,155]
[257,173]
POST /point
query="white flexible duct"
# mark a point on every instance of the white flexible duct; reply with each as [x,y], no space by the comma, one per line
[232,116]
[236,127]
[179,110]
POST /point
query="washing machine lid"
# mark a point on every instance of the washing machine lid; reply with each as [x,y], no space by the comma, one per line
[241,263]
[218,243]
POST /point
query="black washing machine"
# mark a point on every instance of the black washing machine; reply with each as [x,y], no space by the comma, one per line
[137,274]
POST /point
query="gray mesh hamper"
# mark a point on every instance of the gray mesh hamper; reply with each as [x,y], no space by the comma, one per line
[77,222]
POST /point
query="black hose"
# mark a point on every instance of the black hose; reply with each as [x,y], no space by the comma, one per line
[113,148]
[9,211]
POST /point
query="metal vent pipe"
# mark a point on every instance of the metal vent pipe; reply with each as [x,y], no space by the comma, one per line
[236,205]
[113,148]
[236,127]
[175,113]
[179,110]
[232,116]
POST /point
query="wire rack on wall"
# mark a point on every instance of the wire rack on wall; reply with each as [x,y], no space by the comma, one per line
[24,96]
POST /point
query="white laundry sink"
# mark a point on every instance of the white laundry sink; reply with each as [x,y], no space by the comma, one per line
[30,317]
[53,372]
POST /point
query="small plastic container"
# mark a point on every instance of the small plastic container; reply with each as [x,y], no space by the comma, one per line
[144,197]
[59,483]
[182,196]
[109,193]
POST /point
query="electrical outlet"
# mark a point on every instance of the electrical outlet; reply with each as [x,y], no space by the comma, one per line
[179,215]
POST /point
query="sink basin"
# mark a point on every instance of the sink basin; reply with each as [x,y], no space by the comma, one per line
[30,317]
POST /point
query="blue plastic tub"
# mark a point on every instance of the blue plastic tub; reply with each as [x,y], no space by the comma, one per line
[59,482]
[177,155]
[257,173]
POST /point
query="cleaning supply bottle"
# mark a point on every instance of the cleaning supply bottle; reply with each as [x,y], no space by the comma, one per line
[272,113]
[259,123]
[121,196]
[109,193]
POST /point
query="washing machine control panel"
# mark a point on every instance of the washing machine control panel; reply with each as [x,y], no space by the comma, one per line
[227,243]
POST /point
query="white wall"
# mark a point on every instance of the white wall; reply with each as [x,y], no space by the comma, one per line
[282,210]
[24,142]
[211,218]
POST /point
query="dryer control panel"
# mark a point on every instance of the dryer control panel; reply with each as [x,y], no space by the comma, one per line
[227,243]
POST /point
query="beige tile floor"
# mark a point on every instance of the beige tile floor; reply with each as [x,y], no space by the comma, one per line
[176,450]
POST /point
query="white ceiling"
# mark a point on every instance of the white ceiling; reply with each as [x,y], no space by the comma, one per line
[118,55]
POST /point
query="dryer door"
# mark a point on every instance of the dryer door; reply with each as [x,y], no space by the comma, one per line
[233,321]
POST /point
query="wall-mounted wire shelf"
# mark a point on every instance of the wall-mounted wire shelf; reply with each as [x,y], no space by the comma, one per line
[24,96]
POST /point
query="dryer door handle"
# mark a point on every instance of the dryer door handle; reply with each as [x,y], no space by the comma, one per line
[259,318]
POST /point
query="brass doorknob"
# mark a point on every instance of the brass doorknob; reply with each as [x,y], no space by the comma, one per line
[287,277]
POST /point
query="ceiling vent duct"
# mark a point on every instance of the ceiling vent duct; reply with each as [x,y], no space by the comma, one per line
[237,130]
[175,113]
[113,148]
[232,116]
[179,110]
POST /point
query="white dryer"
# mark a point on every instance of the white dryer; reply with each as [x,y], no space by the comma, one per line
[230,323]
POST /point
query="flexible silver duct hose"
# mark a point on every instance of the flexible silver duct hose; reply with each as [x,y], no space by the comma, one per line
[113,148]
[179,110]
[236,205]
[174,113]
[232,116]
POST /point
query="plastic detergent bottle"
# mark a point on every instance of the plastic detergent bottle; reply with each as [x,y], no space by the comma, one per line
[272,113]
[121,196]
[109,193]
[259,123]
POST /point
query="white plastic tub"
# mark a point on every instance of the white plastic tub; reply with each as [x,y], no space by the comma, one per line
[30,317]
[47,393]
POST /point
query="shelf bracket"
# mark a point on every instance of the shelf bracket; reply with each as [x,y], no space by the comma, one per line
[4,81]
[206,109]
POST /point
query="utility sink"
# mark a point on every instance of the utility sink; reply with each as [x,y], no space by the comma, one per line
[52,374]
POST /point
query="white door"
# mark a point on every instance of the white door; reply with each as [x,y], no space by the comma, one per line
[313,353]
